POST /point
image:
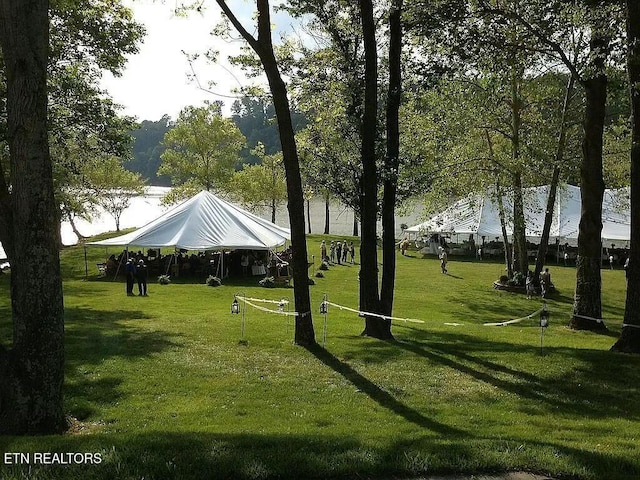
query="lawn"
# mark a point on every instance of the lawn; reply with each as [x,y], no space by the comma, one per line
[162,388]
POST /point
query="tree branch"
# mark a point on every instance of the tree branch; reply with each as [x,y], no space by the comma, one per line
[236,23]
[555,46]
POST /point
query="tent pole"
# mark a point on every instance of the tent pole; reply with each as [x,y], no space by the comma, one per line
[120,262]
[173,255]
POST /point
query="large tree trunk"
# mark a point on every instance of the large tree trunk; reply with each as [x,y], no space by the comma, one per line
[587,302]
[369,300]
[629,340]
[263,46]
[32,371]
[392,162]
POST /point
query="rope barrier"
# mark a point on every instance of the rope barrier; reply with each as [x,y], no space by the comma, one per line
[284,301]
[269,310]
[369,314]
[515,320]
[599,320]
[630,325]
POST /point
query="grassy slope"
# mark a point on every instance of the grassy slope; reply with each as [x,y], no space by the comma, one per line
[163,389]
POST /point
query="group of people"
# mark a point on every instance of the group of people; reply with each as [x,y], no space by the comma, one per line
[136,272]
[338,252]
[545,284]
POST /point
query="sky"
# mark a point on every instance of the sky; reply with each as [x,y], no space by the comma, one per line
[156,80]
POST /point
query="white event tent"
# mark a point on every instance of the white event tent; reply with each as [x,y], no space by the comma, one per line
[204,222]
[478,215]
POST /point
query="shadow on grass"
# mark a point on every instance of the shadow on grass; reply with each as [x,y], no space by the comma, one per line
[193,455]
[96,336]
[600,385]
[377,394]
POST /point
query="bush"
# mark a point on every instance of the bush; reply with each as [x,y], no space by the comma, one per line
[213,281]
[324,266]
[319,275]
[164,279]
[503,279]
[267,282]
[519,279]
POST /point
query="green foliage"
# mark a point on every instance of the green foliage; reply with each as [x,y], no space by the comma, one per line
[255,118]
[213,281]
[164,279]
[147,150]
[261,185]
[201,151]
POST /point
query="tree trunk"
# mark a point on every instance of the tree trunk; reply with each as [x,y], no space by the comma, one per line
[587,301]
[519,237]
[326,215]
[546,229]
[551,199]
[309,216]
[263,46]
[629,340]
[369,300]
[273,211]
[74,228]
[520,258]
[503,226]
[32,371]
[392,162]
[355,224]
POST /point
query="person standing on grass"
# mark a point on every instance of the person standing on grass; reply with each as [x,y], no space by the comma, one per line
[332,251]
[130,270]
[345,251]
[529,285]
[443,260]
[352,252]
[404,245]
[339,252]
[323,252]
[141,276]
[545,282]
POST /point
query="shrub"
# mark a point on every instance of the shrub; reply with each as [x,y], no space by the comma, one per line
[267,282]
[164,279]
[319,275]
[519,279]
[213,281]
[503,279]
[324,266]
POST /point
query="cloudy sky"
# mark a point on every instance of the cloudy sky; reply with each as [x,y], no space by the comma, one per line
[156,80]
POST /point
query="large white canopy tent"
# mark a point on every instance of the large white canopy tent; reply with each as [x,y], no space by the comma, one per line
[478,215]
[204,222]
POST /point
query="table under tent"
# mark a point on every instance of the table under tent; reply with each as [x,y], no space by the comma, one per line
[219,233]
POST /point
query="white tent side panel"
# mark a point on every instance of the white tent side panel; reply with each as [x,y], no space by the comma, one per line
[479,215]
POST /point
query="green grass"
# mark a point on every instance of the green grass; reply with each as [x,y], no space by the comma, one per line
[162,388]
